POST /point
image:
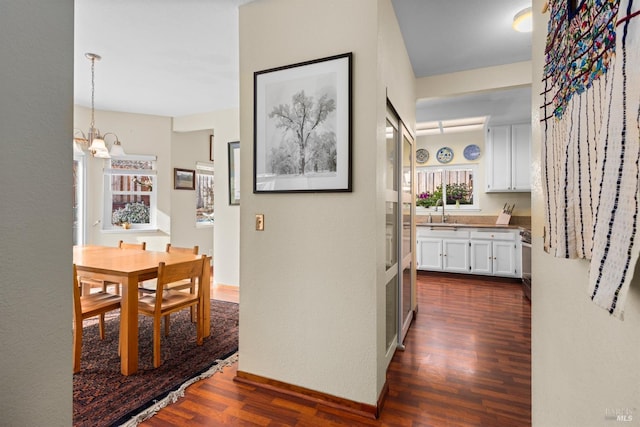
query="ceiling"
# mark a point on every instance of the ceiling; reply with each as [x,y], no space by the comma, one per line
[180,57]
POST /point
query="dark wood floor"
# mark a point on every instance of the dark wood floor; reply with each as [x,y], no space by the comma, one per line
[467,363]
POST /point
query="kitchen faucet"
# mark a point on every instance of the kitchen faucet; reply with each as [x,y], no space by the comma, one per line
[441,203]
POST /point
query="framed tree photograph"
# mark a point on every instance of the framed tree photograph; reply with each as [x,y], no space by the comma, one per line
[184,179]
[302,127]
[234,173]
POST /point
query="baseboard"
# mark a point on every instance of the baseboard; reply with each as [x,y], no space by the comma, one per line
[341,404]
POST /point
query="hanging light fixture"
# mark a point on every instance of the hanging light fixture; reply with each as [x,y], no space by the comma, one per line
[523,21]
[93,140]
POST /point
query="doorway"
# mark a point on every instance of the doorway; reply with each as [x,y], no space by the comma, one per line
[400,230]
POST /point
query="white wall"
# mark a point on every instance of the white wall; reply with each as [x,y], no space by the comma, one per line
[139,134]
[584,361]
[309,300]
[36,91]
[187,149]
[226,239]
[478,80]
[490,203]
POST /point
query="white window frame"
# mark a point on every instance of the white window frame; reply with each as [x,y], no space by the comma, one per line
[81,194]
[107,226]
[204,169]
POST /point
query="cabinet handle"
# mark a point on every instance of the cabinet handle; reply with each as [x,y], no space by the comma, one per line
[444,255]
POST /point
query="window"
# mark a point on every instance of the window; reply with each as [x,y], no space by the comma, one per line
[130,193]
[204,194]
[451,185]
[79,163]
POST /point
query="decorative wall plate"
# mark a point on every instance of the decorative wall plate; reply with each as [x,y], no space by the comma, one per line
[471,152]
[444,155]
[422,155]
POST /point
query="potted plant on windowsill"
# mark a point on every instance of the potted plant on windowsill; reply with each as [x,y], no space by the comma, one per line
[132,213]
[458,193]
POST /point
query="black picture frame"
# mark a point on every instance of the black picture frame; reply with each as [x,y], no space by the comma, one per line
[234,172]
[309,152]
[184,179]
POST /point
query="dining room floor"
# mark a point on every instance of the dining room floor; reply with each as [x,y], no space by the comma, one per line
[467,363]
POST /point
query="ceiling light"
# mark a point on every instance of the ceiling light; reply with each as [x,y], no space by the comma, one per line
[522,21]
[93,141]
[450,126]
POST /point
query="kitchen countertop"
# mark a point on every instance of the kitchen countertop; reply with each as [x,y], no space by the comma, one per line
[455,226]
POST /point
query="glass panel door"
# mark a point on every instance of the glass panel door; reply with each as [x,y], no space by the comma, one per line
[407,266]
[391,231]
[400,230]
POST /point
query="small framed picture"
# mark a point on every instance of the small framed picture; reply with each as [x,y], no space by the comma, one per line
[302,127]
[234,173]
[184,179]
[211,147]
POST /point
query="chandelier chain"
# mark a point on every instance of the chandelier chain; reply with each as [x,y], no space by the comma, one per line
[93,65]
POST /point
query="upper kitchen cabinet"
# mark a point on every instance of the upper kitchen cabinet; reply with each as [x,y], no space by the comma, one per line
[508,157]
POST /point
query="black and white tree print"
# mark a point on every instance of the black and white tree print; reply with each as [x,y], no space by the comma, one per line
[306,145]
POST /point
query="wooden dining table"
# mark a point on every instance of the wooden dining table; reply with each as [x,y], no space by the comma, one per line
[129,267]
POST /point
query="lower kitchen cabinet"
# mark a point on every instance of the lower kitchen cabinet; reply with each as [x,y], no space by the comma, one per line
[481,257]
[455,255]
[429,252]
[443,255]
[504,259]
[494,258]
[486,251]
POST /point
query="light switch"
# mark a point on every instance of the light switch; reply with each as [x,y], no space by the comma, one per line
[259,222]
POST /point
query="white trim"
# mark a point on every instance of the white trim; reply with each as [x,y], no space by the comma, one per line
[130,171]
[143,157]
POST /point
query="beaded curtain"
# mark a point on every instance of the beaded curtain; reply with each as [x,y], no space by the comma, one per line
[591,141]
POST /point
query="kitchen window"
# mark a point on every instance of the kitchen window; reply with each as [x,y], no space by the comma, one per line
[455,186]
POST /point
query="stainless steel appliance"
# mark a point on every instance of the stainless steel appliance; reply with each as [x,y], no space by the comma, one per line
[525,237]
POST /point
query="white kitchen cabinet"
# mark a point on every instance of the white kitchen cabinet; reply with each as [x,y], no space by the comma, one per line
[493,258]
[481,257]
[495,252]
[455,255]
[442,249]
[486,251]
[439,254]
[508,158]
[504,259]
[429,252]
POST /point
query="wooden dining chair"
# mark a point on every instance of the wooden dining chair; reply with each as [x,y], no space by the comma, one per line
[125,245]
[88,283]
[84,307]
[150,285]
[165,301]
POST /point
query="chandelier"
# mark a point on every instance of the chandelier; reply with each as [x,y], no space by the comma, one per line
[93,141]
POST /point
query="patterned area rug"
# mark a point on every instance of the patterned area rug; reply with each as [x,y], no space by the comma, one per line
[104,397]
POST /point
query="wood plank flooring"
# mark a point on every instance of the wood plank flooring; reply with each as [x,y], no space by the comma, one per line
[467,363]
